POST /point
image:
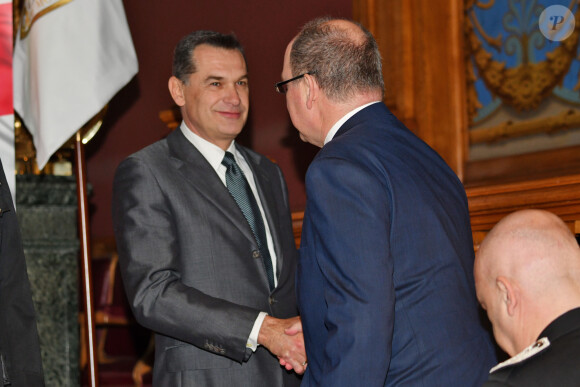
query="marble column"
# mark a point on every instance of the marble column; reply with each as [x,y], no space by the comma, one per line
[47,211]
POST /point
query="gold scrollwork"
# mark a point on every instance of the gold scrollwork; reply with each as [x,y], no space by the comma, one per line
[522,87]
[565,120]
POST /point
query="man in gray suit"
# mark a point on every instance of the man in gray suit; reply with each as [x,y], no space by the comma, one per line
[207,265]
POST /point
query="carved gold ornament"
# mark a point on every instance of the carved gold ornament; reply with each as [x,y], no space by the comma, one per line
[567,119]
[522,87]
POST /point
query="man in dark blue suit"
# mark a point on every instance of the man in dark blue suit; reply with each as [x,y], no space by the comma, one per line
[384,281]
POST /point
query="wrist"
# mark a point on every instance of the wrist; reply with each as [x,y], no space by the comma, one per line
[265,331]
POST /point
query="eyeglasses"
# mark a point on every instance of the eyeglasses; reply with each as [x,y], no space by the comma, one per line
[282,88]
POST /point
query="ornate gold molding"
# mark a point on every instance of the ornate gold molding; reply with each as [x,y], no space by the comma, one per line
[522,87]
[568,119]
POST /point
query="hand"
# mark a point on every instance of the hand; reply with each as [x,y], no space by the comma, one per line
[295,328]
[140,369]
[288,347]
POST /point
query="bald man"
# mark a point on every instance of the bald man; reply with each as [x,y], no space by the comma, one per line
[527,276]
[385,276]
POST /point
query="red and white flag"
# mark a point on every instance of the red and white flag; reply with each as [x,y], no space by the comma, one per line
[6,108]
[71,57]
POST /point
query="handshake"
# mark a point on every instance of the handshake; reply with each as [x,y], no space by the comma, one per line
[284,338]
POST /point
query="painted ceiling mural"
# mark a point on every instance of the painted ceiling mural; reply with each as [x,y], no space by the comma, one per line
[516,69]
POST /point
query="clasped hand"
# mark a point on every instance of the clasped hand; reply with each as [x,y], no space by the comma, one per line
[284,338]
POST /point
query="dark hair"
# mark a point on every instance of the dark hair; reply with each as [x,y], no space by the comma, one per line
[342,64]
[183,61]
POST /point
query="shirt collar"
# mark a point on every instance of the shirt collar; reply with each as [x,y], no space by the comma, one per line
[339,123]
[212,153]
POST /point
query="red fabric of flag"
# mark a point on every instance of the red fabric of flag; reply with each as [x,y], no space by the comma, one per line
[6,106]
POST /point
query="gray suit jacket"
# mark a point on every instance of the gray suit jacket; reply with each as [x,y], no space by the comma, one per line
[186,257]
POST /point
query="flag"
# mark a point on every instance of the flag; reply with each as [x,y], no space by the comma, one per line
[6,108]
[71,57]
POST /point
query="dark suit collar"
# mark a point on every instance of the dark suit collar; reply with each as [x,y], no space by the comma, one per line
[361,116]
[561,326]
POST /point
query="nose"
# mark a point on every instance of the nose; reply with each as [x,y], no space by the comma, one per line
[232,96]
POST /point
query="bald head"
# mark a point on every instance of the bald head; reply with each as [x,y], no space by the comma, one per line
[533,246]
[527,273]
[343,56]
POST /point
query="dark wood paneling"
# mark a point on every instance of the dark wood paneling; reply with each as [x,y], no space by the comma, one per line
[421,42]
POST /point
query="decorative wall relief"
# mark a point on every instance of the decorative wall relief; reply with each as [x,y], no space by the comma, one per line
[523,83]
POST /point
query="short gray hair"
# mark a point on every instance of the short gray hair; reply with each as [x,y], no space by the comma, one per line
[183,61]
[342,66]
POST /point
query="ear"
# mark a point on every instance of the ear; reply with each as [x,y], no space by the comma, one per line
[509,294]
[176,91]
[312,90]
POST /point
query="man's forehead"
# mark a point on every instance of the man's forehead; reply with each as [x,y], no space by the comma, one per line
[286,64]
[205,53]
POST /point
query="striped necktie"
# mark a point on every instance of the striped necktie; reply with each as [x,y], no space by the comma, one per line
[244,197]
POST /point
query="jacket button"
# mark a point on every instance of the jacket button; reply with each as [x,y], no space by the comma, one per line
[271,300]
[256,254]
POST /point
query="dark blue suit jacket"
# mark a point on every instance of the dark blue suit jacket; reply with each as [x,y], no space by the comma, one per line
[385,281]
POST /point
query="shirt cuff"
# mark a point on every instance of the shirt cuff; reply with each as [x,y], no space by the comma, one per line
[253,339]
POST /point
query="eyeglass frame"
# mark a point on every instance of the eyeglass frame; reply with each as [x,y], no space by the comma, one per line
[279,85]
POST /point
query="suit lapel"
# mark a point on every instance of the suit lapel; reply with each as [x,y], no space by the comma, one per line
[200,175]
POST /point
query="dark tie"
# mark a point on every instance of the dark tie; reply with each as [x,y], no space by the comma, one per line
[244,197]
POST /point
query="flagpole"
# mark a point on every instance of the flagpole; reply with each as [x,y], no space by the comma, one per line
[86,259]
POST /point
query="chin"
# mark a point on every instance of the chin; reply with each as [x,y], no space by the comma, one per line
[306,139]
[234,131]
